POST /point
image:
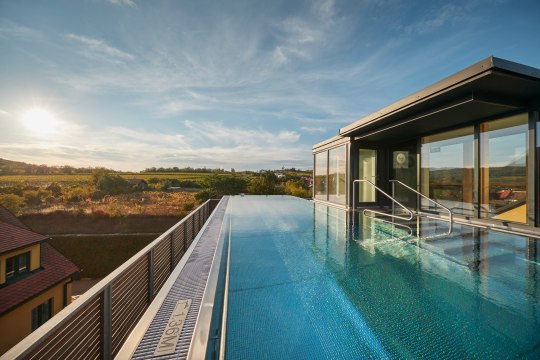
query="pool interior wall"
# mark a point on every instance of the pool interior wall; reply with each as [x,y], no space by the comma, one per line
[305,285]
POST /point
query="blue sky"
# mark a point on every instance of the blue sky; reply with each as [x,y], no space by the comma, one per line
[131,84]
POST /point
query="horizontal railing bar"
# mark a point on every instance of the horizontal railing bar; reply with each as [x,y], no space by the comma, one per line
[63,334]
[135,280]
[41,335]
[79,338]
[140,271]
[120,317]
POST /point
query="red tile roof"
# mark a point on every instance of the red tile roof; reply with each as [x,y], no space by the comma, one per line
[14,234]
[13,237]
[8,217]
[54,269]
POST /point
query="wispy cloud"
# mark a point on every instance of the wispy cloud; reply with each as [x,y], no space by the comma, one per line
[218,133]
[313,129]
[9,29]
[454,12]
[129,3]
[99,49]
[4,113]
[300,36]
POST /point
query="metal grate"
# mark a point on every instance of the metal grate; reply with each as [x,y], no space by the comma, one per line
[190,284]
[97,324]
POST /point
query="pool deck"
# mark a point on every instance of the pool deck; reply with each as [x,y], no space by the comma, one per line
[187,283]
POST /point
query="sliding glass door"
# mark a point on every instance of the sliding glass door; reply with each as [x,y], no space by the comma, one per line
[367,169]
[503,173]
[447,171]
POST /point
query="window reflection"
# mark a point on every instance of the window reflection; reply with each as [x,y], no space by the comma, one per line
[321,167]
[447,173]
[503,175]
[337,168]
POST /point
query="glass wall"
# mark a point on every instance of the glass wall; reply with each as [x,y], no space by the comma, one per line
[447,170]
[503,173]
[321,175]
[337,170]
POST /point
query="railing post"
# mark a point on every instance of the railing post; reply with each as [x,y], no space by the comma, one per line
[173,262]
[150,275]
[106,340]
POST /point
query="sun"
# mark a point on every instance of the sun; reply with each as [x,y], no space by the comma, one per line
[40,121]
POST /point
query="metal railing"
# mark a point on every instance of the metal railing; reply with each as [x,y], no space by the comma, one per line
[96,324]
[394,201]
[450,215]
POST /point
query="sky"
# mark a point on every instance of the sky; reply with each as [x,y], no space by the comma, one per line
[250,85]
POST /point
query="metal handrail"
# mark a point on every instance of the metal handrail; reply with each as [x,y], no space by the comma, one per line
[388,196]
[60,333]
[450,215]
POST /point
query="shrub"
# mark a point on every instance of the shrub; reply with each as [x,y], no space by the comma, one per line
[188,206]
[296,188]
[112,184]
[206,194]
[74,195]
[31,197]
[12,202]
[55,189]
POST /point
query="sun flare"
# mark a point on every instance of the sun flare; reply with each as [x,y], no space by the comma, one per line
[40,121]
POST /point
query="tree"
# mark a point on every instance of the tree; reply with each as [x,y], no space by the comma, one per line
[264,184]
[110,184]
[216,186]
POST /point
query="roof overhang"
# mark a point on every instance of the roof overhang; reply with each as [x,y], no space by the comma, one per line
[487,89]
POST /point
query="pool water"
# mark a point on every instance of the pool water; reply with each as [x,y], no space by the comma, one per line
[305,284]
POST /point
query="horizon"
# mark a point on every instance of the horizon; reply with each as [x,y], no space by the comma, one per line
[128,85]
[149,169]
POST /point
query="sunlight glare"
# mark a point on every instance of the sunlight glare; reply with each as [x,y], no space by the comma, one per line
[40,121]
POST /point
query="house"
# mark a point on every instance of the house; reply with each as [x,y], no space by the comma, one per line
[35,280]
[139,184]
[471,142]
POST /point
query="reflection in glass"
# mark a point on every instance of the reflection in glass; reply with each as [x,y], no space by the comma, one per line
[447,170]
[367,170]
[503,175]
[337,168]
[321,168]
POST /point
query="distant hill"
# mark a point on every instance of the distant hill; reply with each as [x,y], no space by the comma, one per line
[9,167]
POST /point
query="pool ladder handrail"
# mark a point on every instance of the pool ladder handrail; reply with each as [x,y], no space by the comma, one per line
[394,201]
[450,215]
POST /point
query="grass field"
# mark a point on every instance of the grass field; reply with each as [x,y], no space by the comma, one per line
[98,256]
[86,179]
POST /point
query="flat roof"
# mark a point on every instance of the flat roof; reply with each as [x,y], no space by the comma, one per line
[489,87]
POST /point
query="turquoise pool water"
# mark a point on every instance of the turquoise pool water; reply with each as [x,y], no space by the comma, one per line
[302,286]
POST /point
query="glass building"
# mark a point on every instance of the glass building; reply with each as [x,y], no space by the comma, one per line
[470,142]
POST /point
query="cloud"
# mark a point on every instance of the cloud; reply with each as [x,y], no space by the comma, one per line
[197,144]
[218,133]
[4,113]
[9,29]
[99,49]
[301,36]
[444,15]
[312,130]
[129,3]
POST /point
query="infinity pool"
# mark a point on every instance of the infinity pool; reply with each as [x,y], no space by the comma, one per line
[305,284]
